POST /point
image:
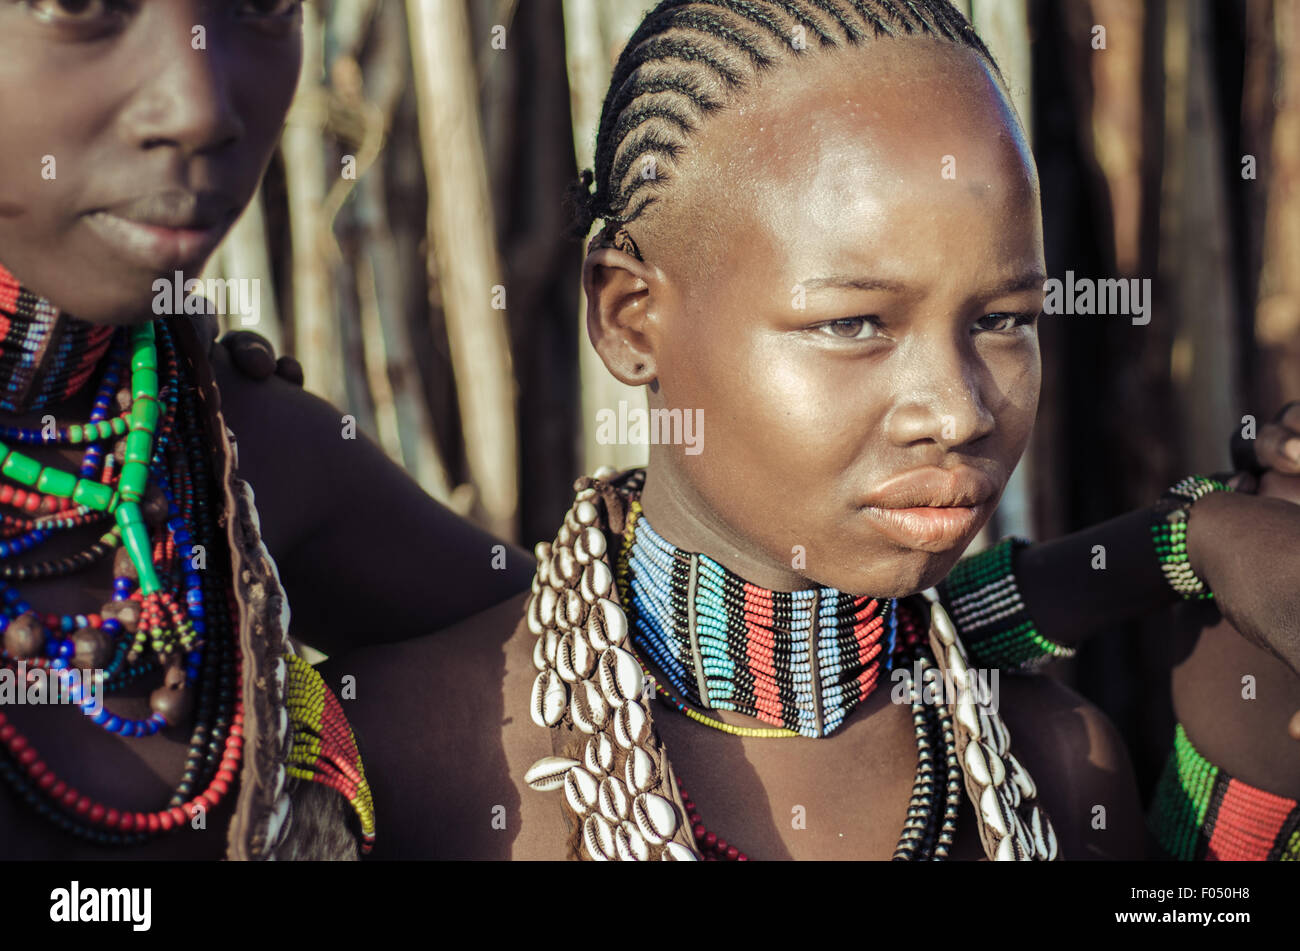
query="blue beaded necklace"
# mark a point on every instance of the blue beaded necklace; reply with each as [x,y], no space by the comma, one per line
[725,644]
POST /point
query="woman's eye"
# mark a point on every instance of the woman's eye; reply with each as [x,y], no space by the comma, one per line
[849,328]
[69,11]
[1004,323]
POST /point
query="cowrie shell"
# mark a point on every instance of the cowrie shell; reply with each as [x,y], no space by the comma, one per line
[655,816]
[535,587]
[976,764]
[1020,776]
[598,837]
[583,494]
[597,582]
[544,574]
[631,725]
[548,773]
[598,757]
[997,772]
[620,676]
[588,708]
[603,473]
[549,699]
[639,772]
[966,715]
[542,552]
[1044,835]
[590,545]
[942,624]
[630,844]
[606,624]
[565,535]
[676,852]
[1024,839]
[534,615]
[1006,851]
[575,609]
[956,664]
[564,659]
[613,799]
[1009,795]
[580,789]
[571,521]
[568,565]
[550,646]
[539,654]
[992,811]
[585,512]
[549,600]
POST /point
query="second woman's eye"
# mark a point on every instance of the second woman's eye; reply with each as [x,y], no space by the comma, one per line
[850,328]
[1005,323]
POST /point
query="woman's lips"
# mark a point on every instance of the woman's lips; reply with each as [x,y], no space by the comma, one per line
[157,248]
[927,528]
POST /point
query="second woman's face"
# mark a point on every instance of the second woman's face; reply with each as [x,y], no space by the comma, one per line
[134,133]
[865,341]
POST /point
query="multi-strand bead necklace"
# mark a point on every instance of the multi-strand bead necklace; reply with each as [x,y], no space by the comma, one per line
[171,608]
[754,647]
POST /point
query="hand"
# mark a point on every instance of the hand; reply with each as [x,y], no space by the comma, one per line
[253,355]
[1247,549]
[1274,450]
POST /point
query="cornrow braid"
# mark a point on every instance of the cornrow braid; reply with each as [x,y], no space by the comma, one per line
[664,82]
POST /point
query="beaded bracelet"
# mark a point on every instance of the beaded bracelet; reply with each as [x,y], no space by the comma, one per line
[1169,534]
[983,600]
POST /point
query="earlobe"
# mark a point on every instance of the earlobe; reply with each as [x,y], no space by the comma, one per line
[620,318]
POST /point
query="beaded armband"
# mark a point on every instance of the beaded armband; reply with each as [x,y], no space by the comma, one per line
[1169,534]
[983,599]
[324,749]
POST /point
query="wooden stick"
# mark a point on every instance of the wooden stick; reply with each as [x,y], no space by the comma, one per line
[463,243]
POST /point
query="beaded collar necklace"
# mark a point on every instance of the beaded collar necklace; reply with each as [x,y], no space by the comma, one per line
[726,644]
[45,356]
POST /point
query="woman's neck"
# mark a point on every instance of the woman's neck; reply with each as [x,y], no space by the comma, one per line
[687,521]
[47,358]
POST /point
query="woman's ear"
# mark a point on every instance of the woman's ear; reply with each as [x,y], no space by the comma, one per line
[621,321]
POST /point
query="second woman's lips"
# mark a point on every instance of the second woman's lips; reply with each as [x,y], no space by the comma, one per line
[156,248]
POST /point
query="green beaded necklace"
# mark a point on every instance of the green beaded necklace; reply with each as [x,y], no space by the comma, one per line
[163,625]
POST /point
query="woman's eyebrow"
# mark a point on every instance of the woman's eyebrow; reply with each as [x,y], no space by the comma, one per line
[1029,281]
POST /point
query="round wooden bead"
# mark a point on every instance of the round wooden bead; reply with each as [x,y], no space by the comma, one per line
[24,637]
[126,612]
[172,703]
[92,649]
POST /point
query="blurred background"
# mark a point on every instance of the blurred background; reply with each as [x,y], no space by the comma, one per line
[411,229]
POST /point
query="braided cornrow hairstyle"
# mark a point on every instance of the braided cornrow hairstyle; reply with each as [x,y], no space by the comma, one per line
[685,51]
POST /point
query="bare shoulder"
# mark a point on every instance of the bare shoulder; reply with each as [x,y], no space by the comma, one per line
[286,438]
[1080,765]
[444,732]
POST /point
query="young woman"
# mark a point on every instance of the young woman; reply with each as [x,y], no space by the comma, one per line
[131,540]
[823,237]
